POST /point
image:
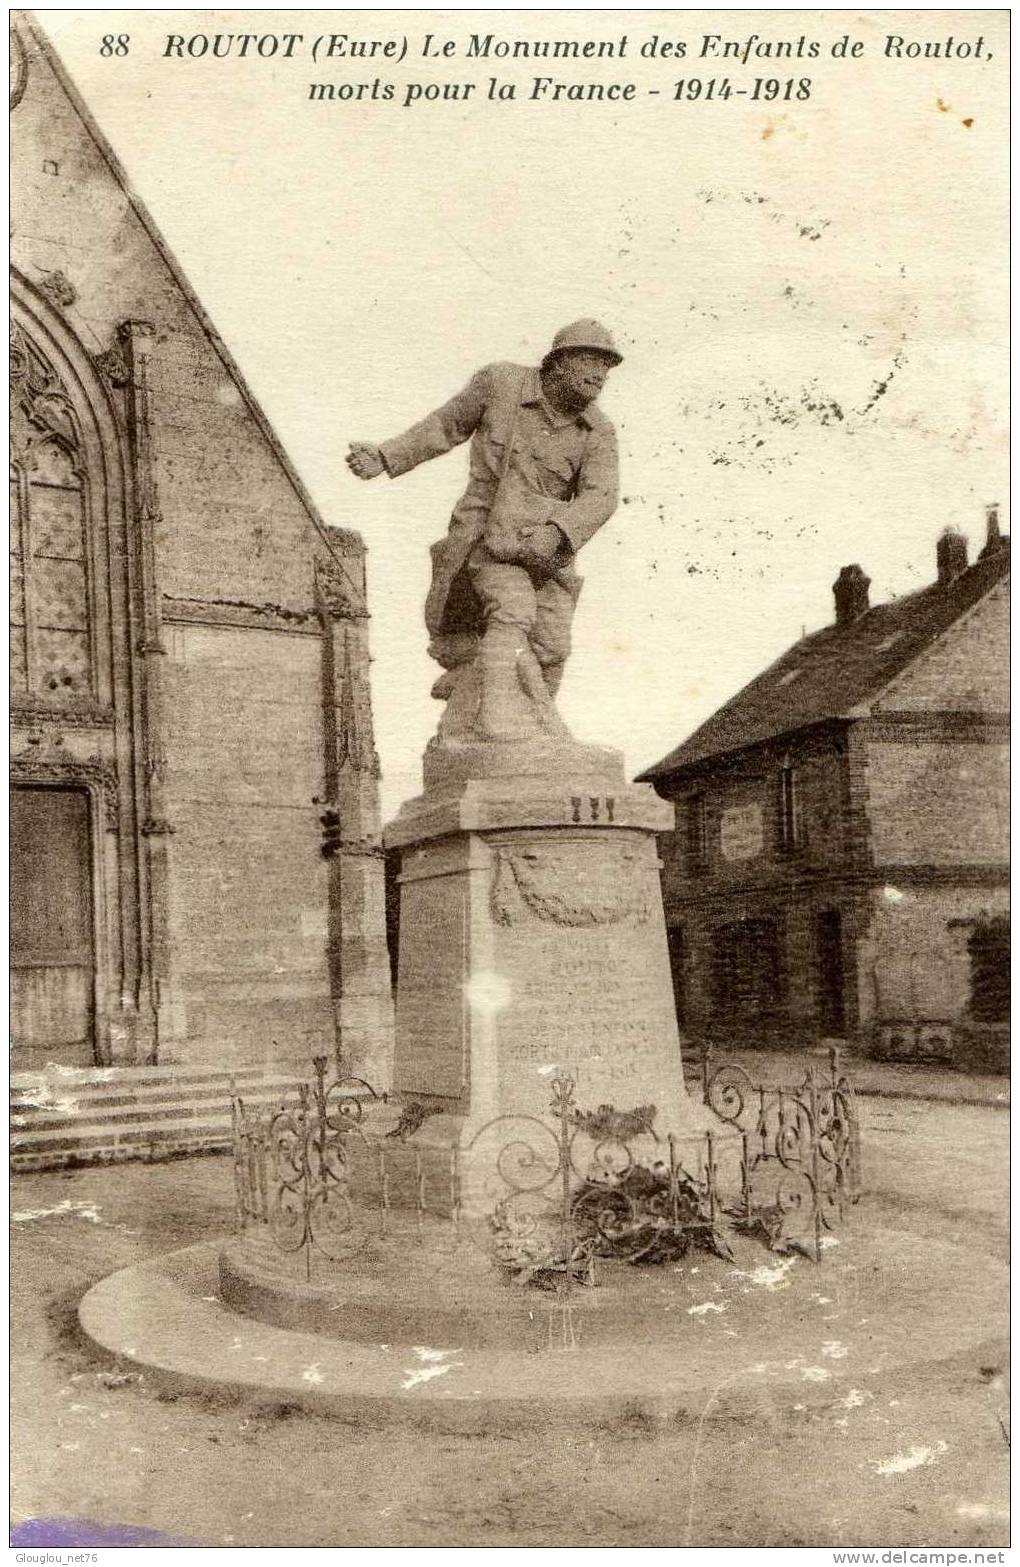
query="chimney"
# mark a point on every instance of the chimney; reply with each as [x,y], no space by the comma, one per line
[850,590]
[995,543]
[951,555]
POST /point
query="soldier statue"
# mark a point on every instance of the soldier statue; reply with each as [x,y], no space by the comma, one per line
[543,480]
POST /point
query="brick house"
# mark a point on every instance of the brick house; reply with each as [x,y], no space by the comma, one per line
[197,876]
[839,864]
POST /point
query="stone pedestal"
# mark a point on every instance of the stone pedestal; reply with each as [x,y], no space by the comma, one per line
[532,942]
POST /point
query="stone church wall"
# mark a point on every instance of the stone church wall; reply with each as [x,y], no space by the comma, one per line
[248,894]
[235,725]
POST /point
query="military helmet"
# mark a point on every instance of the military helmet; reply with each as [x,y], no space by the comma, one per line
[584,334]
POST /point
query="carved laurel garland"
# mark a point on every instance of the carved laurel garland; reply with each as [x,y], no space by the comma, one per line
[547,883]
[92,773]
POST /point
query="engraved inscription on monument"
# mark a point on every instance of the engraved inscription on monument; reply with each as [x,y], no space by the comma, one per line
[585,963]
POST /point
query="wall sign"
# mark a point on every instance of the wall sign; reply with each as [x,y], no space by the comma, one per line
[741,832]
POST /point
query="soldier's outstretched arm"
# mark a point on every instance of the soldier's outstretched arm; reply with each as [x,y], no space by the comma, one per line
[439,432]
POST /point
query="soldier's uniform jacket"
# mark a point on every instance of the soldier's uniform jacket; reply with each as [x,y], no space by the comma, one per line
[563,468]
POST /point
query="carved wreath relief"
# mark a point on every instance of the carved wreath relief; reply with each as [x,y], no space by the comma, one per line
[571,885]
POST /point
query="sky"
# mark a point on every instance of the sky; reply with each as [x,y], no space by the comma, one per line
[810,297]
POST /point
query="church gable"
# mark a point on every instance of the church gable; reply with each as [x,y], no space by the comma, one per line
[234,524]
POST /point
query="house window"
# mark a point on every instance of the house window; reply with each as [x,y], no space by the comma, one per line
[697,832]
[790,833]
[989,971]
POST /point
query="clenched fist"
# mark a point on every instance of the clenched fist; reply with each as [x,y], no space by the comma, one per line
[365,461]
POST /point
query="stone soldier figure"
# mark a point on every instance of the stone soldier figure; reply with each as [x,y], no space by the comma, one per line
[543,480]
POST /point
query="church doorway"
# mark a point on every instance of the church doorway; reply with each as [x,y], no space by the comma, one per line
[52,929]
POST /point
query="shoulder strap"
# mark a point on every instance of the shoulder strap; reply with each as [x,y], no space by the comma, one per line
[511,432]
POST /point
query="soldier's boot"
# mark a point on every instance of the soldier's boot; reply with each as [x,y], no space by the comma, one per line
[535,677]
[506,711]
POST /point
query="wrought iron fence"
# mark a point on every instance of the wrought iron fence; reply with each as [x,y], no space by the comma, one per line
[552,1197]
[801,1159]
[548,1199]
[294,1168]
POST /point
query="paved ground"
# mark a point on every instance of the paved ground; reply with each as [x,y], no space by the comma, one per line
[925,1465]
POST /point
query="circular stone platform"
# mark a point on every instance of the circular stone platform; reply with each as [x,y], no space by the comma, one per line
[712,1338]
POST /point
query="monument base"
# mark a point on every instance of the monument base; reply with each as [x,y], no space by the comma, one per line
[533,945]
[167,1318]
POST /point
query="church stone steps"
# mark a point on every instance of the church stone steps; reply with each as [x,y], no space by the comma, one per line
[109,1143]
[124,1113]
[101,1078]
[51,1100]
[107,1114]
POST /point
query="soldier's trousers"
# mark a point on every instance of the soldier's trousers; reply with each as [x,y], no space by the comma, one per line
[540,604]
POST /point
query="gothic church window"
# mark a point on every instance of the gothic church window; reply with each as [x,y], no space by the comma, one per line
[50,618]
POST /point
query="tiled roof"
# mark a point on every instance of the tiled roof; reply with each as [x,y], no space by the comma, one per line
[829,673]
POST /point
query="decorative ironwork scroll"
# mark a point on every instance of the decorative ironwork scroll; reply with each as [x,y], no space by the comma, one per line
[553,1197]
[801,1157]
[291,1165]
[547,1198]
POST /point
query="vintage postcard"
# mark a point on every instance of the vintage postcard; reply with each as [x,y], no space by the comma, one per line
[509,780]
